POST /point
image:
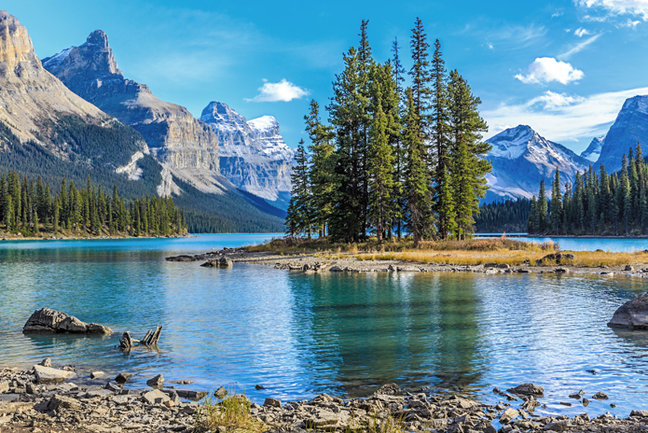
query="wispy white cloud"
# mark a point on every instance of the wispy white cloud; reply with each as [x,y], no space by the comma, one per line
[579,47]
[636,8]
[580,32]
[547,69]
[282,91]
[631,23]
[561,117]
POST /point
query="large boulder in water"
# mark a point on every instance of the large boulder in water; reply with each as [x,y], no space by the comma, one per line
[632,315]
[47,320]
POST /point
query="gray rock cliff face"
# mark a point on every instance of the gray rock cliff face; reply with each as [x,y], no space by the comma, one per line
[253,154]
[186,147]
[29,95]
[629,128]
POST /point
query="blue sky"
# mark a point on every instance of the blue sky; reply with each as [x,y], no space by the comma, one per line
[563,67]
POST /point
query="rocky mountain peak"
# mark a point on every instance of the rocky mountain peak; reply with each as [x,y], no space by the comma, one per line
[629,128]
[98,37]
[16,47]
[222,116]
[95,56]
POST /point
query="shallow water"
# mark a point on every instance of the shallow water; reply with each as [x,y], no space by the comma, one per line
[299,335]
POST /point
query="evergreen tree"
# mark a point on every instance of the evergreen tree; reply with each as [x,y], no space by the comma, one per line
[467,165]
[556,204]
[416,176]
[322,179]
[300,212]
[381,180]
[542,208]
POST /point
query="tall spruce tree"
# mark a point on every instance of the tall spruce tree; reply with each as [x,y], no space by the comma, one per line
[299,211]
[417,179]
[467,165]
[444,203]
[322,179]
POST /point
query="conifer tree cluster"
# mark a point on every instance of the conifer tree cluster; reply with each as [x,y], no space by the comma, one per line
[29,207]
[596,203]
[391,159]
[508,216]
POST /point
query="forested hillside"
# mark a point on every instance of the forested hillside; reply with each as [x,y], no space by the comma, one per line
[31,208]
[596,203]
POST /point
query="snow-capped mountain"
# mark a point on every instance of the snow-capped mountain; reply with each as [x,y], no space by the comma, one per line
[253,154]
[629,128]
[593,151]
[521,158]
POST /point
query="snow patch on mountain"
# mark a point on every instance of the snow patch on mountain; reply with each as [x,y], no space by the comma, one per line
[593,151]
[521,158]
[253,154]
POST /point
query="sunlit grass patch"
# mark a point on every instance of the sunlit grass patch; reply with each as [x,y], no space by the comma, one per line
[232,414]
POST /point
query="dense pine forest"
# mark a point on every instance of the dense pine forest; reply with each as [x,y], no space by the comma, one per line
[508,216]
[30,208]
[596,203]
[392,159]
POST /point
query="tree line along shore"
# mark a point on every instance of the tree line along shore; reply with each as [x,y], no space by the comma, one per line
[29,209]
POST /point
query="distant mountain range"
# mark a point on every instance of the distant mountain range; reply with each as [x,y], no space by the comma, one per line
[77,115]
[521,158]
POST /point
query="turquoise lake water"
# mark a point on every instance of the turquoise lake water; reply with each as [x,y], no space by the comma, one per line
[299,335]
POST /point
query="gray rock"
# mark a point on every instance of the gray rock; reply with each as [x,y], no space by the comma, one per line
[4,386]
[222,262]
[58,402]
[46,362]
[271,402]
[155,397]
[628,268]
[51,375]
[156,382]
[527,389]
[123,377]
[632,315]
[191,395]
[220,393]
[97,374]
[508,415]
[50,321]
[600,396]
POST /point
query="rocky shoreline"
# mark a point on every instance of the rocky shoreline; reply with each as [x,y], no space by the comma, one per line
[46,399]
[312,263]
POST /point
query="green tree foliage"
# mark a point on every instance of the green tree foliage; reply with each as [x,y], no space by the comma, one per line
[508,216]
[392,157]
[598,203]
[29,208]
[299,218]
[466,165]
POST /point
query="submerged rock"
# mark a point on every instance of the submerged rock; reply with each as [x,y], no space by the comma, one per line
[527,389]
[51,321]
[632,315]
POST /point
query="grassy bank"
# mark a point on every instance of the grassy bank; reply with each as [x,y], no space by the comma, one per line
[469,252]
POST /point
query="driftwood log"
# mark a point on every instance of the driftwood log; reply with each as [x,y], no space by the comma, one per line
[150,340]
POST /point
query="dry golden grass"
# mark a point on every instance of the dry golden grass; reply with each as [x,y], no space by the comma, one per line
[590,259]
[232,414]
[469,252]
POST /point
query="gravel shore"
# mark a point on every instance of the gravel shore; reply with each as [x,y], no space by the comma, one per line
[45,399]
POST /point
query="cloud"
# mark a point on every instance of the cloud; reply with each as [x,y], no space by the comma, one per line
[631,23]
[561,117]
[580,32]
[637,8]
[282,91]
[553,101]
[547,69]
[579,47]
